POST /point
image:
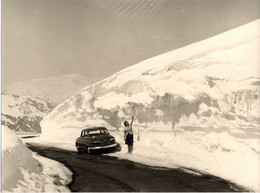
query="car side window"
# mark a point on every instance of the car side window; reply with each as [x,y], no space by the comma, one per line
[84,133]
[103,131]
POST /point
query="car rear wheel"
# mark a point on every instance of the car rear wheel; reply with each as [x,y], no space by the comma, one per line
[79,150]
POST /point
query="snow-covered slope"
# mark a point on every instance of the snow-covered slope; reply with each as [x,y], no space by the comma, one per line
[22,171]
[53,89]
[215,82]
[23,113]
[204,93]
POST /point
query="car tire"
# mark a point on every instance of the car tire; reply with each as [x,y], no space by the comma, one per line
[79,150]
[118,147]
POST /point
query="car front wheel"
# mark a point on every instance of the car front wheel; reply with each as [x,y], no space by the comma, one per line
[79,150]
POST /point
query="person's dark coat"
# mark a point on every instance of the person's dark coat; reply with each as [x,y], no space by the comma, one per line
[129,139]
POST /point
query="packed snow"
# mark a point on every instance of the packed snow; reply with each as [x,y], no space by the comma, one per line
[196,107]
[24,171]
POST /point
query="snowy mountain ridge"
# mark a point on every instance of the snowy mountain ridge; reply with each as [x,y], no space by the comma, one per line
[52,89]
[23,113]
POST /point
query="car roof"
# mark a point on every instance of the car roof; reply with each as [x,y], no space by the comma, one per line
[93,128]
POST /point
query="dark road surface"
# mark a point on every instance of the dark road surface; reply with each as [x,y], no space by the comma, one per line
[101,173]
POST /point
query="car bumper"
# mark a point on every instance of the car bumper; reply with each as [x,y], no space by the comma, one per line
[102,147]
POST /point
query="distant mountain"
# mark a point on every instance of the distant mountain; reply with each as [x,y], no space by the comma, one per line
[23,113]
[53,89]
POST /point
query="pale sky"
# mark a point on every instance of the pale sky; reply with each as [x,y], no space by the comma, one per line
[97,38]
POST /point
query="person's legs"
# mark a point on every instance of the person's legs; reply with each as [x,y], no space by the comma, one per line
[131,147]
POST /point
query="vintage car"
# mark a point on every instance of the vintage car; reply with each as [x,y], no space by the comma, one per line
[95,138]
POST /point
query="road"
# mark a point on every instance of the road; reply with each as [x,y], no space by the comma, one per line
[102,173]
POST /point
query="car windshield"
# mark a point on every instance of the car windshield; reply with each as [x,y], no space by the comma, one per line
[96,132]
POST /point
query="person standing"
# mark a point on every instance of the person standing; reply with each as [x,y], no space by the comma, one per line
[129,135]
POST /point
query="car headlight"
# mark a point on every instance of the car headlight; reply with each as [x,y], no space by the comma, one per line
[112,139]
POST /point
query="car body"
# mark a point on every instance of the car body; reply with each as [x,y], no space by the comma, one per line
[95,138]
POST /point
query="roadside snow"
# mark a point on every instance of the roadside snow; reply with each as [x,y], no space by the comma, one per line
[23,171]
[53,177]
[10,140]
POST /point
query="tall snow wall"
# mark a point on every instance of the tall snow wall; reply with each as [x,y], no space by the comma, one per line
[212,83]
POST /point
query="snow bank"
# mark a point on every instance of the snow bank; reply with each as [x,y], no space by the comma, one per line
[10,141]
[23,171]
[221,72]
[205,95]
[54,177]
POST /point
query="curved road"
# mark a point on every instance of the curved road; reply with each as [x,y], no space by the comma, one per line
[101,173]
